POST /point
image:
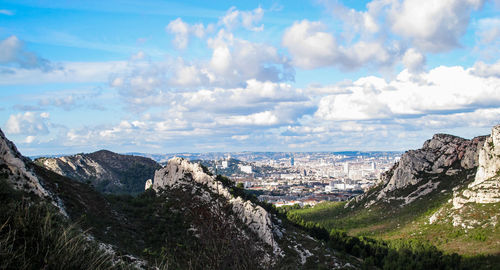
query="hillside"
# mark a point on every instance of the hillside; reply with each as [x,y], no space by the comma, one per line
[188,220]
[109,172]
[446,193]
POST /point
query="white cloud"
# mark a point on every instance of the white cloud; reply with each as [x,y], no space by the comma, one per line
[29,139]
[445,89]
[482,69]
[234,62]
[28,123]
[12,53]
[488,38]
[265,118]
[312,46]
[240,137]
[70,72]
[182,32]
[413,60]
[309,44]
[489,29]
[430,25]
[248,19]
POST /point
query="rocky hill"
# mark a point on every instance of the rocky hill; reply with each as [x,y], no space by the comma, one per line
[109,172]
[464,210]
[189,219]
[446,193]
[270,239]
[443,163]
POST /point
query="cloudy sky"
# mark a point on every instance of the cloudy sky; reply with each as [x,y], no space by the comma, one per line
[202,76]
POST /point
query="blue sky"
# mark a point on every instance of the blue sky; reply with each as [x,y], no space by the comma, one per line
[201,76]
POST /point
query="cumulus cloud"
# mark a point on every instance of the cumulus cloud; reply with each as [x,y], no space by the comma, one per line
[386,33]
[13,53]
[265,118]
[248,19]
[434,26]
[233,63]
[484,70]
[446,89]
[312,46]
[182,32]
[28,123]
[413,60]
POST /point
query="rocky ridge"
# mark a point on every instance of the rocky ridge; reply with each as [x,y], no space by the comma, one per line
[485,189]
[418,172]
[17,170]
[108,171]
[180,173]
[13,167]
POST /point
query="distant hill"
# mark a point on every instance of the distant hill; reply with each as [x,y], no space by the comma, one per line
[109,172]
[447,193]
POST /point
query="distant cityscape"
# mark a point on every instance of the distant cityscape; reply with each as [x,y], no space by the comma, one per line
[304,178]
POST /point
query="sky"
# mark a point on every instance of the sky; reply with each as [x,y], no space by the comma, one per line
[208,76]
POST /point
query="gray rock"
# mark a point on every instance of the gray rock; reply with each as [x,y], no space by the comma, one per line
[181,173]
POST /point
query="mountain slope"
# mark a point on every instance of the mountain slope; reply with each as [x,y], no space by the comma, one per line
[109,172]
[184,223]
[446,193]
[270,240]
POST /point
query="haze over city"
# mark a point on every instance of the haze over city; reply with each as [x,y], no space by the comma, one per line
[205,76]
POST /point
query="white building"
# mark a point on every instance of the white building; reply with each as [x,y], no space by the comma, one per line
[245,168]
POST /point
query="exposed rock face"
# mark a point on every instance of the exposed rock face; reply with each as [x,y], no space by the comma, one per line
[486,185]
[108,171]
[13,167]
[180,173]
[149,184]
[441,154]
[16,169]
[489,158]
[418,172]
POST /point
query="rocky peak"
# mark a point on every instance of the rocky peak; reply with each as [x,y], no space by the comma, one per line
[180,173]
[486,185]
[17,170]
[13,167]
[489,157]
[108,171]
[442,154]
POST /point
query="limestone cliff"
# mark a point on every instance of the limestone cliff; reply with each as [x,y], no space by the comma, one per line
[421,172]
[107,171]
[485,189]
[18,171]
[180,173]
[13,167]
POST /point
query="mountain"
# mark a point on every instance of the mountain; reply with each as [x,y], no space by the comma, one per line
[109,172]
[443,163]
[188,219]
[446,193]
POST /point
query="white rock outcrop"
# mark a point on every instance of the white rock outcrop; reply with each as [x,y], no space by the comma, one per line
[486,185]
[20,176]
[181,173]
[14,164]
[77,166]
[149,184]
[441,154]
[489,158]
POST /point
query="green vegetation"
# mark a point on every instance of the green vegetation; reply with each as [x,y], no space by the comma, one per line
[385,232]
[34,236]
